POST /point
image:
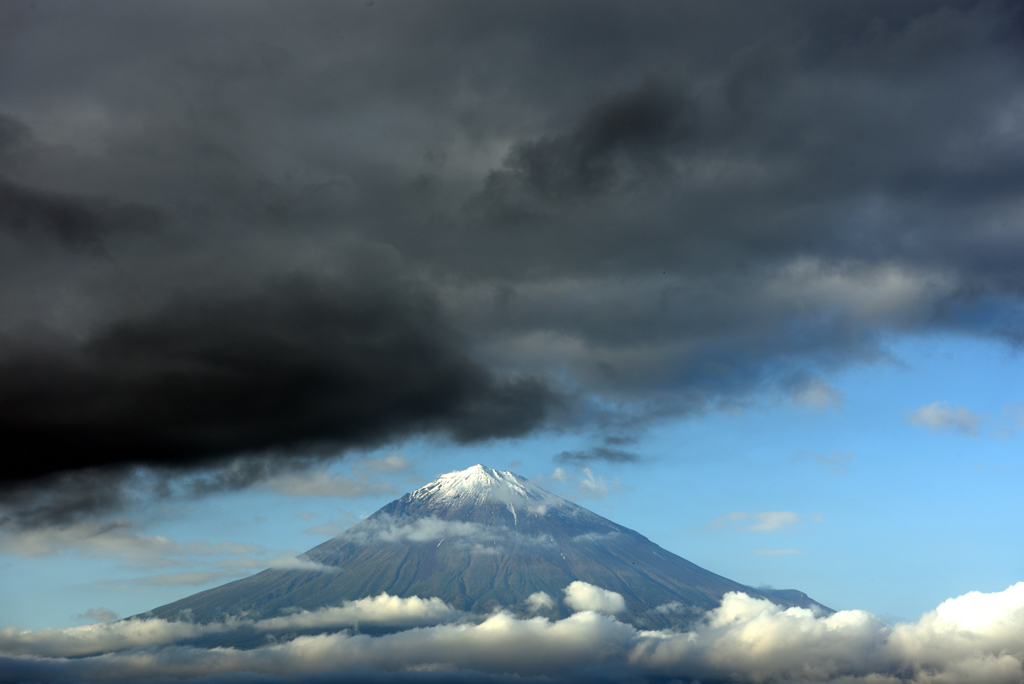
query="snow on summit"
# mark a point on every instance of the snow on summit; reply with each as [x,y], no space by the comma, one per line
[479,485]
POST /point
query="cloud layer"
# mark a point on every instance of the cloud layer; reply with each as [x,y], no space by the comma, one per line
[975,638]
[341,226]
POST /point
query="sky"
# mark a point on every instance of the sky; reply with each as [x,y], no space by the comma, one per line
[744,277]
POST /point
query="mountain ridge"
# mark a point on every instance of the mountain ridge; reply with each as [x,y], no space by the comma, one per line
[482,539]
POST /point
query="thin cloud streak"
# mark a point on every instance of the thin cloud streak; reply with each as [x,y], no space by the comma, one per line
[778,552]
[758,521]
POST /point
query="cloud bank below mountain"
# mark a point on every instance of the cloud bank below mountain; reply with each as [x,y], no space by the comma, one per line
[975,638]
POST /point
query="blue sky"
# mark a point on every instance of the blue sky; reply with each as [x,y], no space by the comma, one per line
[877,512]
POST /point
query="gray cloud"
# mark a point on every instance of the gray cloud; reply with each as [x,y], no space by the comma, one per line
[119,539]
[77,222]
[618,145]
[336,226]
[97,615]
[600,453]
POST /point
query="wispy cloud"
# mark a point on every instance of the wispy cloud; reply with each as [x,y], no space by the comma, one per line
[480,537]
[580,484]
[1017,413]
[836,461]
[600,453]
[206,562]
[769,521]
[369,478]
[324,484]
[194,578]
[777,552]
[392,463]
[939,415]
[118,539]
[758,521]
[818,395]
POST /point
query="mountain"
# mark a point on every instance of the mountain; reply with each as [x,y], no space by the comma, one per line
[480,539]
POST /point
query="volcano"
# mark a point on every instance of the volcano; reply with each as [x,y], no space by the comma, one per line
[480,540]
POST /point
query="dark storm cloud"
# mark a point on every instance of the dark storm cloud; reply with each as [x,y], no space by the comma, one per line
[13,134]
[64,497]
[75,221]
[657,209]
[621,143]
[295,365]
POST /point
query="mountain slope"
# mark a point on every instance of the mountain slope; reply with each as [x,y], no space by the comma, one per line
[481,539]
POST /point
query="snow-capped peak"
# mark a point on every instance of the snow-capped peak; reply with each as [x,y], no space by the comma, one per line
[480,484]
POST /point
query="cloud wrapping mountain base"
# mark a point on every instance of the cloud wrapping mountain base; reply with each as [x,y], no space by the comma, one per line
[973,639]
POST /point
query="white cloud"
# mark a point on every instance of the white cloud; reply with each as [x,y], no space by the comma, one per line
[973,639]
[539,601]
[769,521]
[671,608]
[377,610]
[590,487]
[818,395]
[583,596]
[940,415]
[580,484]
[102,637]
[976,638]
[133,633]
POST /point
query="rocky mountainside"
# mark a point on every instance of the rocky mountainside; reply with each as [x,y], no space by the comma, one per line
[481,539]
